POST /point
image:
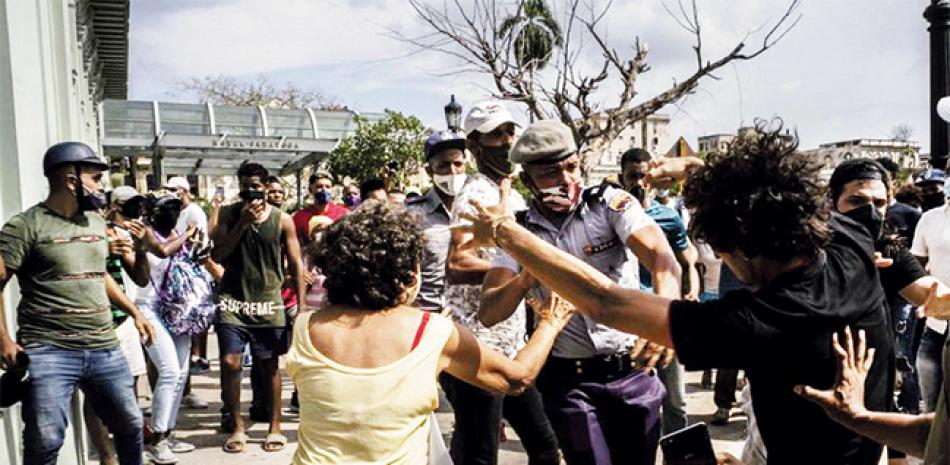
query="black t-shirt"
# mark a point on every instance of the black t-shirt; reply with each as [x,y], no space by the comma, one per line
[904,218]
[781,336]
[905,270]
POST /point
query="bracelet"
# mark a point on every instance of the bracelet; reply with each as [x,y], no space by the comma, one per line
[495,224]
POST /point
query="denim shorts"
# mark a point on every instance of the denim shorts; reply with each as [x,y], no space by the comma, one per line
[266,343]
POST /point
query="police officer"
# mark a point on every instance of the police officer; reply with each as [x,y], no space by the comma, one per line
[602,407]
[445,165]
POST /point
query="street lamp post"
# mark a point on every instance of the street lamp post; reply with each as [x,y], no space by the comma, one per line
[453,115]
[938,14]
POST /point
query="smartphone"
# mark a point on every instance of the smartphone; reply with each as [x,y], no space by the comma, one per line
[249,196]
[219,192]
[688,446]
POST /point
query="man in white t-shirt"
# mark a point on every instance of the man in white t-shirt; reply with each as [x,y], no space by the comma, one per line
[489,133]
[932,247]
[191,213]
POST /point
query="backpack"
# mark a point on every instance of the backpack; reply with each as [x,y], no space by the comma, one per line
[185,296]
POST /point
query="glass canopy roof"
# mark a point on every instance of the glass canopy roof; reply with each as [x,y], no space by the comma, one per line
[206,139]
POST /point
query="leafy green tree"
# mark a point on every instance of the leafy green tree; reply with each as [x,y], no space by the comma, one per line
[390,149]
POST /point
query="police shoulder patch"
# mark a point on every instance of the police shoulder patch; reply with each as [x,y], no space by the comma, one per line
[621,201]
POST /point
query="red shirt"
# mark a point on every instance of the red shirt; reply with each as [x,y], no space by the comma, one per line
[302,219]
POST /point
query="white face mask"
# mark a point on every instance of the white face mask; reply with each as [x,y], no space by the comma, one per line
[449,184]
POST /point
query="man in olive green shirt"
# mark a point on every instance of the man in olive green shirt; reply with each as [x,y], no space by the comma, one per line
[251,238]
[57,250]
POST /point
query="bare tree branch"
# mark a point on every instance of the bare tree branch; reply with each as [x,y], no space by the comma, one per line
[468,31]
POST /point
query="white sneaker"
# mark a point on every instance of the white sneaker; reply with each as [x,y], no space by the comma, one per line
[162,453]
[180,447]
[193,401]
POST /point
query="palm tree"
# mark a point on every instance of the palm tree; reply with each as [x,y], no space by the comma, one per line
[536,33]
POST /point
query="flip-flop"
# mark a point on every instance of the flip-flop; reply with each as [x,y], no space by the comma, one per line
[235,443]
[274,442]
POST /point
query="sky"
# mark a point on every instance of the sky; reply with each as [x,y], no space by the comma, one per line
[850,69]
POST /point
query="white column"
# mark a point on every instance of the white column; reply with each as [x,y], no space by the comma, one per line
[43,100]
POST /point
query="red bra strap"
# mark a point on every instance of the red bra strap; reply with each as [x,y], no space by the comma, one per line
[422,329]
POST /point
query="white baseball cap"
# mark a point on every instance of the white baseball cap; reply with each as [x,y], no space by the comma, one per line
[486,116]
[178,182]
[123,194]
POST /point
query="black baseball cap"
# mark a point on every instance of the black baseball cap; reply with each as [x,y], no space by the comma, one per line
[443,140]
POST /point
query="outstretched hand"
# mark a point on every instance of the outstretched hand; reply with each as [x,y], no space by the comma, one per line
[937,304]
[845,399]
[650,355]
[556,310]
[664,172]
[484,221]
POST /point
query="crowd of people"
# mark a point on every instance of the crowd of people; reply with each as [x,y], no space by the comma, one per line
[571,312]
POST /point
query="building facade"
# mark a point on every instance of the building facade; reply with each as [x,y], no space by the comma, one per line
[650,134]
[58,59]
[715,142]
[905,153]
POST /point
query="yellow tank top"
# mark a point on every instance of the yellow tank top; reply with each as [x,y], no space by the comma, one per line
[365,415]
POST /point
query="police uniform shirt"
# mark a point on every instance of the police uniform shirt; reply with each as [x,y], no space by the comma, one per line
[596,232]
[436,229]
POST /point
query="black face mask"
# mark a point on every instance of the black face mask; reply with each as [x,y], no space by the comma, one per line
[92,201]
[870,218]
[639,192]
[933,200]
[493,161]
[164,221]
[132,208]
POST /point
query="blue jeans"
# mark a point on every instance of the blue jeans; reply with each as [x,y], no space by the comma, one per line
[104,377]
[908,330]
[674,405]
[170,354]
[930,367]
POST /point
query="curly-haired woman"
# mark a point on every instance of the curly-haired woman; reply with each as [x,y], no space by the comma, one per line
[761,207]
[366,365]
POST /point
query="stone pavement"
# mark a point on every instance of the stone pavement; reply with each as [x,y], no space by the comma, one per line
[201,427]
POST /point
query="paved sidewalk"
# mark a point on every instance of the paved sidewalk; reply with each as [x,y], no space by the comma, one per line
[201,427]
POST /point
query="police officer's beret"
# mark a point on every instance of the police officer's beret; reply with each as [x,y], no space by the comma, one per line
[72,153]
[546,141]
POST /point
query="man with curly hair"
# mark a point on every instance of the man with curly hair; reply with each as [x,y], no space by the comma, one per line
[762,208]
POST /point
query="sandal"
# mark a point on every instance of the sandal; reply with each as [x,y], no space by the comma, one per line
[275,442]
[235,443]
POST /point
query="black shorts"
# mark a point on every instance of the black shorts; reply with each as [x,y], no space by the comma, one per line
[266,343]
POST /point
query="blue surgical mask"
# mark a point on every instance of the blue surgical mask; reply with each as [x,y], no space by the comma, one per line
[323,196]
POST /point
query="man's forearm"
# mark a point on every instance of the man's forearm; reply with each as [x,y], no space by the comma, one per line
[693,280]
[593,293]
[4,333]
[300,280]
[500,302]
[464,267]
[137,267]
[667,277]
[906,433]
[117,297]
